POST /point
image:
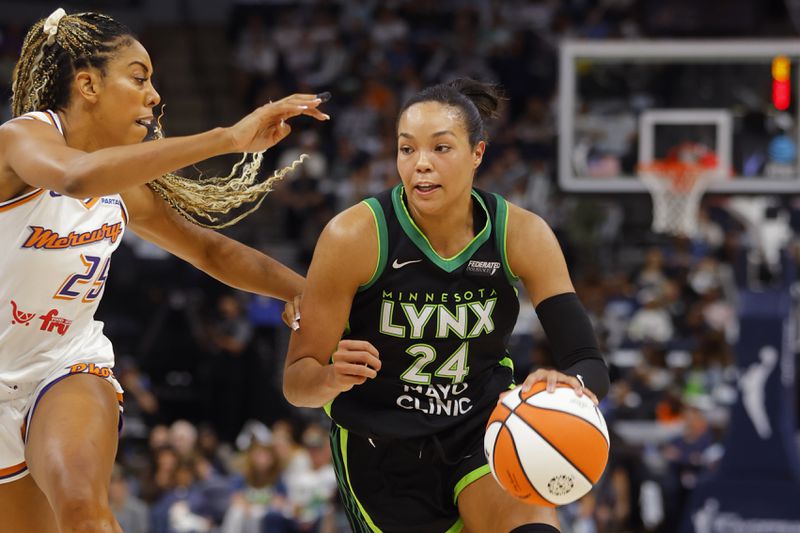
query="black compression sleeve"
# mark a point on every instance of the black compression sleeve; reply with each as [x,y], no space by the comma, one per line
[594,373]
[534,528]
[571,336]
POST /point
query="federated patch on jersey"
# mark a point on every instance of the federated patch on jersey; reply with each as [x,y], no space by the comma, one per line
[483,268]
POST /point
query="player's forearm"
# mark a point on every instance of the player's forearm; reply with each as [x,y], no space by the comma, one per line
[247,269]
[594,373]
[306,383]
[118,168]
[572,338]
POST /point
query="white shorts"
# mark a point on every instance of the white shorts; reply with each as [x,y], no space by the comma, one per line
[18,403]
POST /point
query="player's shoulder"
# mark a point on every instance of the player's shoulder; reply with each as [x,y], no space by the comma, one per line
[525,225]
[350,238]
[351,223]
[31,125]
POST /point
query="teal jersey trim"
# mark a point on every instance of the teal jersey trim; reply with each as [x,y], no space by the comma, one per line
[421,241]
[383,241]
[360,520]
[471,477]
[501,234]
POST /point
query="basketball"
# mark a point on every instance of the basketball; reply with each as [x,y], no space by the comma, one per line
[546,448]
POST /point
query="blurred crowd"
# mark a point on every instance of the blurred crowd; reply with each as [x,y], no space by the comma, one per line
[210,445]
[183,478]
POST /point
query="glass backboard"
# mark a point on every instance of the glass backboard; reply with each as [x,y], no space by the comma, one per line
[625,103]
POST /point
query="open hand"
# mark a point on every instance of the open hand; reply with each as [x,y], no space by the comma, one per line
[267,125]
[552,377]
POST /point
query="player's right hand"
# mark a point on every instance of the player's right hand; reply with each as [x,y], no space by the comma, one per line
[267,125]
[353,363]
[291,312]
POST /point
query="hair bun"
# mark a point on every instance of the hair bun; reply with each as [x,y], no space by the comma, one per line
[485,96]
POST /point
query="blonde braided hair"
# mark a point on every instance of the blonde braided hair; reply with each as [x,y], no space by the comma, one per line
[202,200]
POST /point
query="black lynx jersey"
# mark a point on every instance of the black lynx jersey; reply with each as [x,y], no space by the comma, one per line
[441,325]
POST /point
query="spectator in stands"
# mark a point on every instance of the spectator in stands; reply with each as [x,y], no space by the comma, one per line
[293,458]
[183,438]
[182,508]
[259,494]
[130,511]
[161,475]
[229,335]
[256,59]
[210,447]
[652,274]
[651,323]
[313,491]
[688,459]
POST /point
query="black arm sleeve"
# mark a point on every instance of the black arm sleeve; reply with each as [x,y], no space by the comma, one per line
[571,336]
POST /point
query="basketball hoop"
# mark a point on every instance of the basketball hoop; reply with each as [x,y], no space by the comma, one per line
[676,185]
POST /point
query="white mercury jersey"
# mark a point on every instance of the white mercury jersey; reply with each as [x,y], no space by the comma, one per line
[53,269]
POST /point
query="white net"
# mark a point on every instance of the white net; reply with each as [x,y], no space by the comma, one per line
[676,199]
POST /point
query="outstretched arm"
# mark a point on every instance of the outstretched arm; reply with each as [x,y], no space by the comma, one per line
[563,318]
[39,156]
[344,258]
[225,259]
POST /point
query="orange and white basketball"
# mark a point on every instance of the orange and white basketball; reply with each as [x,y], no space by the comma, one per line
[546,448]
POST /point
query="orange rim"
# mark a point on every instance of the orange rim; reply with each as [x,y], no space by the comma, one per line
[682,175]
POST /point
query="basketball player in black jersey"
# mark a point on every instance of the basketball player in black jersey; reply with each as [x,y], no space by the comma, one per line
[420,279]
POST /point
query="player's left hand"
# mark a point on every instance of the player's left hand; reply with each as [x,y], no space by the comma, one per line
[267,125]
[552,377]
[291,312]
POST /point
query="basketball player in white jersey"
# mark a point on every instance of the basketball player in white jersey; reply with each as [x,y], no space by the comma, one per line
[73,175]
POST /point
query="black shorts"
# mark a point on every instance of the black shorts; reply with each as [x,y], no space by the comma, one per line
[408,485]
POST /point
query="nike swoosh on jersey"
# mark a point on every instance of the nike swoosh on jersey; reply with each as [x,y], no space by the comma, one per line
[396,264]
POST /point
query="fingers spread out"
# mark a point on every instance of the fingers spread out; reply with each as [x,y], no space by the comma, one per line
[317,114]
[298,104]
[313,99]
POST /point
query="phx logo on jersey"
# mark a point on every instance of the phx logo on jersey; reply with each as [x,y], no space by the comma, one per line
[51,322]
[91,368]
